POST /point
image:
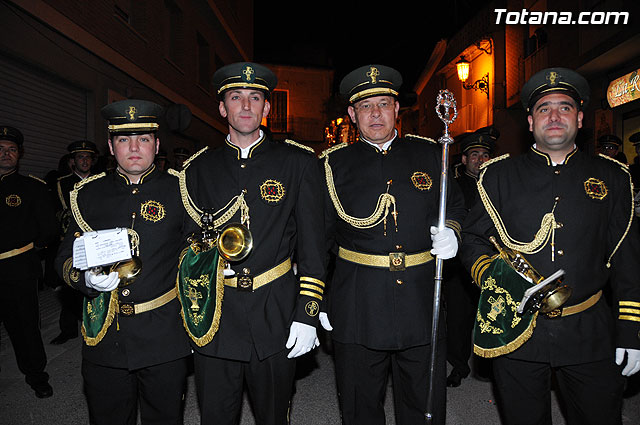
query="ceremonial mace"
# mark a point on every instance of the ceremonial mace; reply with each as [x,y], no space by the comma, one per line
[444,103]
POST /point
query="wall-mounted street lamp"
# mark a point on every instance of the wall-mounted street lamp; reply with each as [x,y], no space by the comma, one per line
[462,66]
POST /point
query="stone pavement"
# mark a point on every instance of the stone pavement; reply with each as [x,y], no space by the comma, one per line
[314,403]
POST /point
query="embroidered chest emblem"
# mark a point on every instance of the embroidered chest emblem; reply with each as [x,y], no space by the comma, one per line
[421,180]
[152,211]
[13,200]
[272,191]
[595,188]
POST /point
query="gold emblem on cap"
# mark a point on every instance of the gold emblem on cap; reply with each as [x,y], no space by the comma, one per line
[595,188]
[13,200]
[552,77]
[132,113]
[373,74]
[5,131]
[152,211]
[248,73]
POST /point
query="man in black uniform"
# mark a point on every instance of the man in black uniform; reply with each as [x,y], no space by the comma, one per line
[272,319]
[382,198]
[30,223]
[611,145]
[460,293]
[576,211]
[135,349]
[83,154]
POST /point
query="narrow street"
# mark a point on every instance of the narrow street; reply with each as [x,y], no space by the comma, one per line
[315,401]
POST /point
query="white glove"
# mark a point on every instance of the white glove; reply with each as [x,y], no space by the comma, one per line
[101,282]
[633,360]
[445,244]
[305,339]
[324,321]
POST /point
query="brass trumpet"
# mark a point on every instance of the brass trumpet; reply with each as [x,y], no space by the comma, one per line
[551,297]
[127,270]
[234,241]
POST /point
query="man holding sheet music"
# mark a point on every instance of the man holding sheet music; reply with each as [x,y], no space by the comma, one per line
[563,210]
[135,350]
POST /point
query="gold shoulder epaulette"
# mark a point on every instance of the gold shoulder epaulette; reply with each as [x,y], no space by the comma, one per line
[194,156]
[37,178]
[65,176]
[333,149]
[299,145]
[421,138]
[89,179]
[624,166]
[494,160]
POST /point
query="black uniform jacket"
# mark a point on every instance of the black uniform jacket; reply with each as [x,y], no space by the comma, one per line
[376,307]
[468,186]
[593,210]
[28,216]
[64,185]
[156,336]
[284,195]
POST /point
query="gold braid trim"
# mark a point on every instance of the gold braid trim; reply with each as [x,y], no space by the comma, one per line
[37,178]
[73,200]
[420,138]
[236,203]
[61,196]
[542,236]
[333,149]
[385,201]
[194,156]
[624,168]
[300,145]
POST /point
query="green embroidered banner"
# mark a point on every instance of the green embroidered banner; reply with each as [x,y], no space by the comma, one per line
[97,316]
[200,284]
[499,329]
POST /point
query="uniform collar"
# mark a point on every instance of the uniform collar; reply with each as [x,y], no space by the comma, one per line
[145,177]
[540,156]
[10,173]
[386,145]
[249,150]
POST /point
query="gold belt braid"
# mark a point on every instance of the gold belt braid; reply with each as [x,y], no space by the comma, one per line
[14,252]
[383,260]
[263,278]
[138,308]
[578,308]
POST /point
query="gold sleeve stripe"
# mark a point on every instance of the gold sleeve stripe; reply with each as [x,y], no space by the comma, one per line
[630,310]
[311,280]
[630,318]
[311,294]
[312,287]
[66,270]
[479,267]
[629,304]
[455,226]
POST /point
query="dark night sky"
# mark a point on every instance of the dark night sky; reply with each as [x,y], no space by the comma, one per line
[346,34]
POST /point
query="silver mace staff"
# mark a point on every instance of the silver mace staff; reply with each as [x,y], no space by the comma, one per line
[444,103]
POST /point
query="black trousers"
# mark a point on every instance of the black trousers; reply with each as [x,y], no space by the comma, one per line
[461,301]
[20,313]
[220,384]
[592,392]
[362,373]
[113,394]
[70,310]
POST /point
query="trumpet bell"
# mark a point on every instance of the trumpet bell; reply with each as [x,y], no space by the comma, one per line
[555,297]
[235,242]
[127,270]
